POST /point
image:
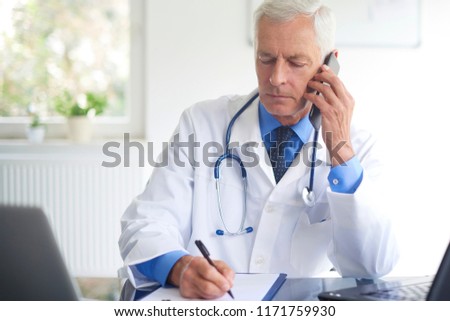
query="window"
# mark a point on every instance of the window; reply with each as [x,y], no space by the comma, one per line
[49,47]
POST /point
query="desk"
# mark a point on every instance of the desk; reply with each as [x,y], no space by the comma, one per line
[300,289]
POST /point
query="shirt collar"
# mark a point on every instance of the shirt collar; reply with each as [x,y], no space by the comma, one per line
[267,123]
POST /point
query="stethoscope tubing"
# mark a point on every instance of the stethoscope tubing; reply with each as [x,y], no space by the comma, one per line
[313,160]
[235,117]
[308,193]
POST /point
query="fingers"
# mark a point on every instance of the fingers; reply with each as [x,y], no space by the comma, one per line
[333,96]
[330,86]
[201,280]
[336,106]
[325,100]
[226,271]
[330,79]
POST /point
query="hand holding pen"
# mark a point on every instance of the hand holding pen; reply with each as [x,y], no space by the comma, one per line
[205,254]
[196,278]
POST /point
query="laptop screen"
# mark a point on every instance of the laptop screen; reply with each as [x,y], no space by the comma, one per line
[32,266]
[440,289]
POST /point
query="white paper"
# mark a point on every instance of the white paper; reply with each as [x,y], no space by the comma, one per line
[247,287]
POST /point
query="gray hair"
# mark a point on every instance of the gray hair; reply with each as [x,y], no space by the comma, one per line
[286,10]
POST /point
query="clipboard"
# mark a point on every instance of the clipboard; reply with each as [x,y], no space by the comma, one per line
[247,287]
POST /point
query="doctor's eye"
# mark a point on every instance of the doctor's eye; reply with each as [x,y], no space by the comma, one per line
[266,60]
[297,64]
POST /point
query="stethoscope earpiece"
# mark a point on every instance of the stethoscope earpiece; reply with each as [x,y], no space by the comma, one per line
[240,232]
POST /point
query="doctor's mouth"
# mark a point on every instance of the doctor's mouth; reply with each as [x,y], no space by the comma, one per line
[189,152]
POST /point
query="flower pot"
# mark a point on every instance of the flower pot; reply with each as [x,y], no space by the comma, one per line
[80,129]
[36,134]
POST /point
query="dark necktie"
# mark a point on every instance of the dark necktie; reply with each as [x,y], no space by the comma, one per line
[282,138]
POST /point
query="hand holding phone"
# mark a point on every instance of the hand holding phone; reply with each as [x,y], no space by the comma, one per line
[314,115]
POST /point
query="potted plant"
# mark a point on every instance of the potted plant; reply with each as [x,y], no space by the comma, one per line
[35,130]
[79,113]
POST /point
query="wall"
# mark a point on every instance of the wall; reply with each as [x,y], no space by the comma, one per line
[401,95]
[201,51]
[83,200]
[197,51]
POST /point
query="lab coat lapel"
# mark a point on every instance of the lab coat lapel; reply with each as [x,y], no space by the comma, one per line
[246,130]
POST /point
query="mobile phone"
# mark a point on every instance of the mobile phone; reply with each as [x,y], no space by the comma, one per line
[314,115]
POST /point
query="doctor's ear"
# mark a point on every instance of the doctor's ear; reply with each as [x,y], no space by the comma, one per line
[336,53]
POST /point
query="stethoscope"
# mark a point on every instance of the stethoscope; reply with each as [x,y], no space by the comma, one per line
[307,193]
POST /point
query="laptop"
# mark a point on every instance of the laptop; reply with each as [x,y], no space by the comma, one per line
[430,288]
[32,267]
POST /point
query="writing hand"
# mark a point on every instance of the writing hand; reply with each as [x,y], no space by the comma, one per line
[197,279]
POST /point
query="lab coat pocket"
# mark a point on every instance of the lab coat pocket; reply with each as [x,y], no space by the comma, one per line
[319,213]
[309,246]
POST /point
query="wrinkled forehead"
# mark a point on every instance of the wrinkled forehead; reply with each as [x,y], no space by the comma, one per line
[296,37]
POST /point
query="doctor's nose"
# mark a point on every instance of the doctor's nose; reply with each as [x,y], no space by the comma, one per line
[278,76]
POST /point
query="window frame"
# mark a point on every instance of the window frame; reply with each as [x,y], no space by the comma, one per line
[104,126]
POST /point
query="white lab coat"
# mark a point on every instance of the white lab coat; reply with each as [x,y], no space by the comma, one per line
[350,232]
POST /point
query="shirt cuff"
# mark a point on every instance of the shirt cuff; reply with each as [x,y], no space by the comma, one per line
[347,177]
[158,269]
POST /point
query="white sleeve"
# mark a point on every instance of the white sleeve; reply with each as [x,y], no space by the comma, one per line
[363,241]
[159,220]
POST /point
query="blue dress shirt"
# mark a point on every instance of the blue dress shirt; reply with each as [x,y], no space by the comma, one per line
[344,178]
[158,269]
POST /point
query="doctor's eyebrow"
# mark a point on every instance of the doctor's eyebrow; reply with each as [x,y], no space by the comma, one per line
[268,57]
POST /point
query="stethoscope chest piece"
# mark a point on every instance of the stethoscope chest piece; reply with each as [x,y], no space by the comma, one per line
[308,197]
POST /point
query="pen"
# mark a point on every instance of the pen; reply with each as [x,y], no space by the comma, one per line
[205,254]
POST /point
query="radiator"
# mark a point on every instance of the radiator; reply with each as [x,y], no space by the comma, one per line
[83,200]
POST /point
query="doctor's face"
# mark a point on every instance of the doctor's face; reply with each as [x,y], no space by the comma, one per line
[287,57]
